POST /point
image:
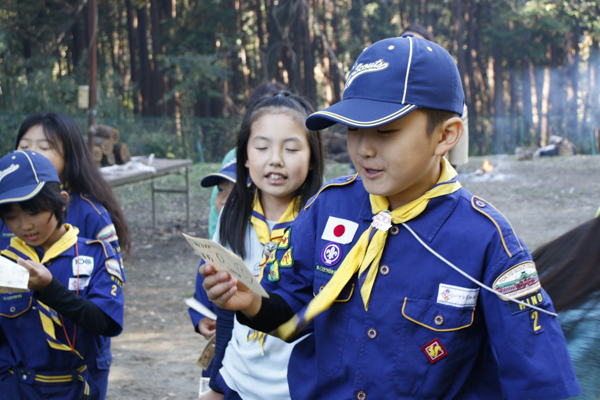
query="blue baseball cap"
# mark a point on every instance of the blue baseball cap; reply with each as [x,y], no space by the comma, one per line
[227,172]
[23,174]
[390,79]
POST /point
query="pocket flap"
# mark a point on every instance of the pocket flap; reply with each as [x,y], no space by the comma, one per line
[14,304]
[437,317]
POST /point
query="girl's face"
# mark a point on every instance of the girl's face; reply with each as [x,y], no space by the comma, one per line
[278,156]
[34,229]
[35,140]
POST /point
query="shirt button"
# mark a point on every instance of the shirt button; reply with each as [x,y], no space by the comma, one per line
[394,230]
[321,288]
[372,333]
[361,395]
[13,309]
[439,320]
[479,203]
[384,269]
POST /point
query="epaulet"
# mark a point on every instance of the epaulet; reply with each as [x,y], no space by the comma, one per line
[509,238]
[91,203]
[108,250]
[340,181]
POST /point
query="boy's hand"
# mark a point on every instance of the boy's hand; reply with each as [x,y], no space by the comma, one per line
[39,276]
[227,293]
[207,327]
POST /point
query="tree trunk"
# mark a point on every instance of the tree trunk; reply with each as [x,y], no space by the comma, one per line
[146,84]
[132,39]
[158,78]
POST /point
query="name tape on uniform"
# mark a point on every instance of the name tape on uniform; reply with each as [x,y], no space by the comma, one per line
[457,296]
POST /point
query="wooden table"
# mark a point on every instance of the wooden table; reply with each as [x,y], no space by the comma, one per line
[163,167]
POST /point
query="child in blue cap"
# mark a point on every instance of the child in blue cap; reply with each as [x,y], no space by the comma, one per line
[412,287]
[52,334]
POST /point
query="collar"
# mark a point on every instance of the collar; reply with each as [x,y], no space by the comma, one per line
[429,222]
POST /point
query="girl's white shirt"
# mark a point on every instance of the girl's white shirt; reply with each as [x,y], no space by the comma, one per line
[245,369]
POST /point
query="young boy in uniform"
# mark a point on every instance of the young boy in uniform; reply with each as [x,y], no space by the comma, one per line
[413,287]
[52,335]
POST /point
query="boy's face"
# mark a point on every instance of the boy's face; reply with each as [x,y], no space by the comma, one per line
[397,160]
[225,188]
[34,229]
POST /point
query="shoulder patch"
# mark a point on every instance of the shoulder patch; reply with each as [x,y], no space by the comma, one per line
[108,233]
[340,181]
[518,281]
[114,268]
[502,224]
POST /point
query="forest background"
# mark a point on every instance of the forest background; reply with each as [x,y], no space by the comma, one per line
[173,75]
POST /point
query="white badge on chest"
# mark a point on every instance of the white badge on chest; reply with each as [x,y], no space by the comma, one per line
[85,267]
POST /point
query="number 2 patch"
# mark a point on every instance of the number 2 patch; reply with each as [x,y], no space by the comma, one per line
[535,323]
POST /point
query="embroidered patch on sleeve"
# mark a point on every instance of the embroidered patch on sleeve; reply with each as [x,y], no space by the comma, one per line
[108,234]
[285,239]
[457,296]
[113,268]
[434,351]
[274,272]
[287,260]
[83,266]
[534,300]
[535,323]
[518,281]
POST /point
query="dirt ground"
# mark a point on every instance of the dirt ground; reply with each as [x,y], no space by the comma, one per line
[154,358]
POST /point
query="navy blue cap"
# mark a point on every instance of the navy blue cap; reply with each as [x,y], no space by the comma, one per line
[227,173]
[23,174]
[390,79]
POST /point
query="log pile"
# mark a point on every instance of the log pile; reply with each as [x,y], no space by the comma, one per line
[108,150]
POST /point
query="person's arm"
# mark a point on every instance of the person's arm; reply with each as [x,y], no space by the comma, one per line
[273,312]
[78,310]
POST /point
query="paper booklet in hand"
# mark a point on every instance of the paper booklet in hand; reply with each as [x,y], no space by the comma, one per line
[224,260]
[13,277]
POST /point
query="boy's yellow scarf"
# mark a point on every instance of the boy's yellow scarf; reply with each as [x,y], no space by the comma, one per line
[365,255]
[49,317]
[259,222]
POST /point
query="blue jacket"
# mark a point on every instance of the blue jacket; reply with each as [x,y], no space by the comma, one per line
[23,339]
[429,332]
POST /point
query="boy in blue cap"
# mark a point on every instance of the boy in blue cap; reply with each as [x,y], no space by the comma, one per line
[52,334]
[412,287]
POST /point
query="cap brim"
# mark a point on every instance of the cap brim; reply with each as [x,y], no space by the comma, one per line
[358,113]
[22,193]
[214,179]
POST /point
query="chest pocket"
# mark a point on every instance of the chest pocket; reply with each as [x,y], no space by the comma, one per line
[14,304]
[454,335]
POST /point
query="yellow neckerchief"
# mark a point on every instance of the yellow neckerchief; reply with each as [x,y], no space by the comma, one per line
[259,222]
[365,255]
[48,316]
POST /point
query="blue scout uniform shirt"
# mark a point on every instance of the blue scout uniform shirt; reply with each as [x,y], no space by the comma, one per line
[92,220]
[429,332]
[22,337]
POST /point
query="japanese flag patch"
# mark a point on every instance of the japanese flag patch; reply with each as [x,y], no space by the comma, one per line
[83,265]
[114,268]
[339,230]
